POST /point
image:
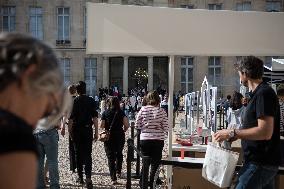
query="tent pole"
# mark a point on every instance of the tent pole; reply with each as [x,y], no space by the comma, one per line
[171,117]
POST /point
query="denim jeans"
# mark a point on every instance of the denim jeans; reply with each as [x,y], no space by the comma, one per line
[254,176]
[47,142]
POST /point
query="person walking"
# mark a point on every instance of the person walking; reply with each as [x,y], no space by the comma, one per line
[153,124]
[83,118]
[64,123]
[116,122]
[31,86]
[260,131]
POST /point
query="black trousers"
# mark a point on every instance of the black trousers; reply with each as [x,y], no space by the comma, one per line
[72,155]
[153,149]
[113,149]
[83,141]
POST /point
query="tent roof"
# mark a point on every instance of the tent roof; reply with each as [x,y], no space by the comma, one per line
[136,30]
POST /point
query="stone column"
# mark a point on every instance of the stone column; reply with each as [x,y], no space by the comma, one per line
[125,75]
[150,73]
[105,71]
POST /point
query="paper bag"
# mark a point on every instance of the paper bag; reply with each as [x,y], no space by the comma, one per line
[219,165]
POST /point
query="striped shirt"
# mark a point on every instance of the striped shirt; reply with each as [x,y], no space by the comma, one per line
[153,123]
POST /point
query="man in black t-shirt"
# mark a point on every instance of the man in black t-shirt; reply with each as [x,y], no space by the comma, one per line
[84,116]
[260,133]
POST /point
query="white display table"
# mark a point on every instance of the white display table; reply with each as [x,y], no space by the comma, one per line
[194,148]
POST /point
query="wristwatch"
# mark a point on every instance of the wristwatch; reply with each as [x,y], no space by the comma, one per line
[232,134]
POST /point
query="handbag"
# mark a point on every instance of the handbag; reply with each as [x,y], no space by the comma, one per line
[219,165]
[104,135]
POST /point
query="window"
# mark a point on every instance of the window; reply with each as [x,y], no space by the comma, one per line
[214,70]
[8,18]
[35,23]
[273,6]
[65,67]
[85,23]
[186,74]
[63,23]
[245,6]
[215,6]
[91,75]
[268,60]
[187,6]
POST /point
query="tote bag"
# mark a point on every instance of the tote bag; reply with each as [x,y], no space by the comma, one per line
[219,165]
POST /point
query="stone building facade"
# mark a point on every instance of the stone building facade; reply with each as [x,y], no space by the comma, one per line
[62,24]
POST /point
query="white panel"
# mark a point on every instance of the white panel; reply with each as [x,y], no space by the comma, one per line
[136,30]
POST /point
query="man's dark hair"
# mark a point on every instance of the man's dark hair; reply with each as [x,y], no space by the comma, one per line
[280,92]
[229,97]
[81,88]
[236,102]
[251,66]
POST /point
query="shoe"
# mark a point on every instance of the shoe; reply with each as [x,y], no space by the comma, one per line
[89,185]
[118,175]
[159,182]
[114,182]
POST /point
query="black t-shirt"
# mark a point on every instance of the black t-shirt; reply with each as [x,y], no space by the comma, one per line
[117,126]
[15,134]
[263,102]
[84,110]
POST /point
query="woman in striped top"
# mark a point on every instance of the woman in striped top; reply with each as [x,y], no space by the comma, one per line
[153,123]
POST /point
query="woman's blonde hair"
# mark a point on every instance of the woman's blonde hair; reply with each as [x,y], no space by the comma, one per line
[153,98]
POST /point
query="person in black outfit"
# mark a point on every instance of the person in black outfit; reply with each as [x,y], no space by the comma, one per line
[114,120]
[30,87]
[64,123]
[260,132]
[84,117]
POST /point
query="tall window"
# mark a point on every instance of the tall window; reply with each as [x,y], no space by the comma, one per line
[65,65]
[187,6]
[8,14]
[63,23]
[35,24]
[214,70]
[215,6]
[186,74]
[273,6]
[244,6]
[91,75]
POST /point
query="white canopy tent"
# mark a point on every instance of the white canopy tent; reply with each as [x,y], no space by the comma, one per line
[135,30]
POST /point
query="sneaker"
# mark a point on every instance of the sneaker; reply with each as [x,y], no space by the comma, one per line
[118,175]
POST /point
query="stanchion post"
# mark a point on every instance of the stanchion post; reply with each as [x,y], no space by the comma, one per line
[145,171]
[129,159]
[138,157]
